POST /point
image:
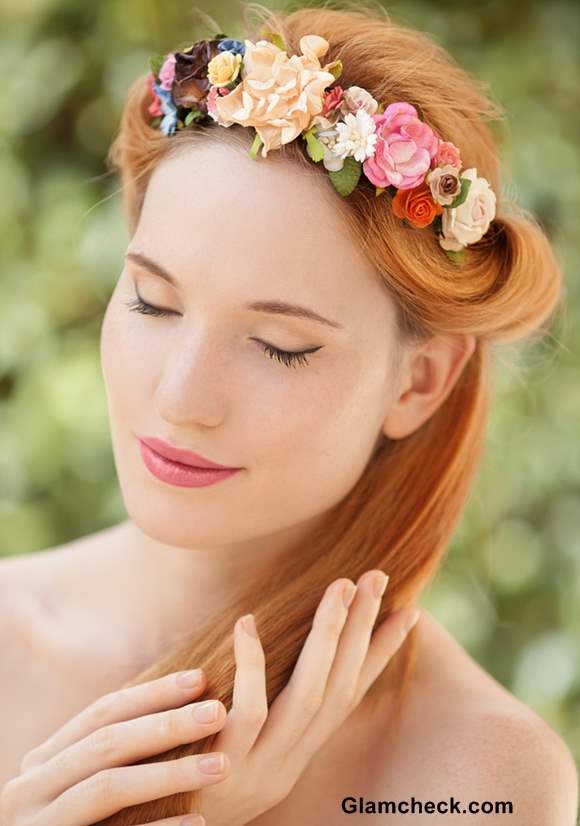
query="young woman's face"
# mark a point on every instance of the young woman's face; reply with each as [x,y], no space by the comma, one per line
[233,231]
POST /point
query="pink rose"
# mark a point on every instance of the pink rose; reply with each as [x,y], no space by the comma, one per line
[404,150]
[448,155]
[212,95]
[167,73]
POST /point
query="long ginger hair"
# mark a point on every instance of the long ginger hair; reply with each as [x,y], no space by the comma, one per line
[402,512]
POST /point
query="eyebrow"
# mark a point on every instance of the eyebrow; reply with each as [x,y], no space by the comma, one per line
[274,307]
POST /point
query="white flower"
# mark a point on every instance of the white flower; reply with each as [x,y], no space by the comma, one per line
[468,222]
[356,136]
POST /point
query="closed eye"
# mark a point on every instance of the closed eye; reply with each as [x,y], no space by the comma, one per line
[290,358]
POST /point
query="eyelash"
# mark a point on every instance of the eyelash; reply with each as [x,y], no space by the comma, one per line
[286,357]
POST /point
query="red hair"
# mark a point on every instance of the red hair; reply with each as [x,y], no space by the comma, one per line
[402,512]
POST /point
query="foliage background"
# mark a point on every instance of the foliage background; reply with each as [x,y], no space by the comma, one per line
[510,589]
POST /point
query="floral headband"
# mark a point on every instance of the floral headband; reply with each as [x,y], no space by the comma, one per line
[227,81]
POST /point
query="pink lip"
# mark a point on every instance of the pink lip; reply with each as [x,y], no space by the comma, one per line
[184,457]
[185,476]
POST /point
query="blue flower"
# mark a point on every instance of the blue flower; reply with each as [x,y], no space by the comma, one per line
[234,46]
[169,123]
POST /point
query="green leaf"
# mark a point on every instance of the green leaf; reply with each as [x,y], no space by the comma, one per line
[379,191]
[335,68]
[275,38]
[237,80]
[193,116]
[256,145]
[155,63]
[347,178]
[314,147]
[456,256]
[459,199]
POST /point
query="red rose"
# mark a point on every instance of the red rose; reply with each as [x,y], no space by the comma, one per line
[154,109]
[332,100]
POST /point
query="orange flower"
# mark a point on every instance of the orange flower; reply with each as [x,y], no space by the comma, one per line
[278,95]
[416,205]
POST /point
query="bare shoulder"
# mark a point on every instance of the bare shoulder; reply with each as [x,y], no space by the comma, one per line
[28,625]
[465,736]
[44,644]
[31,584]
[23,579]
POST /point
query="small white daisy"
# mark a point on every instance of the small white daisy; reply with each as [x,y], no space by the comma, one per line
[356,136]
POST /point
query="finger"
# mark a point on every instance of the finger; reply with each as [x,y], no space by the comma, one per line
[134,701]
[179,820]
[384,644]
[355,639]
[344,676]
[296,705]
[109,791]
[121,744]
[249,709]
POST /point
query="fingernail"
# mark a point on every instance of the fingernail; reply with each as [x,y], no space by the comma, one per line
[410,621]
[206,712]
[250,625]
[348,593]
[211,763]
[193,820]
[380,584]
[189,679]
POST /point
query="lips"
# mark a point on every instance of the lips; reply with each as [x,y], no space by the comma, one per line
[184,457]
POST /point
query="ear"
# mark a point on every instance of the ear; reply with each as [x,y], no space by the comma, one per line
[427,376]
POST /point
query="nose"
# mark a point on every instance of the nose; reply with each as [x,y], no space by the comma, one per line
[194,385]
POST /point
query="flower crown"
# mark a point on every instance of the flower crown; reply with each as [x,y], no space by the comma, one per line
[227,81]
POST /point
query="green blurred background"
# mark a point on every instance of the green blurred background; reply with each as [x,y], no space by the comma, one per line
[510,588]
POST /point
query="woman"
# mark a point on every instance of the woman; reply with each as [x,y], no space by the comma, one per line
[313,336]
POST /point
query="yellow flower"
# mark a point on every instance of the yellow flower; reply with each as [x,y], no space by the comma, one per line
[279,96]
[223,68]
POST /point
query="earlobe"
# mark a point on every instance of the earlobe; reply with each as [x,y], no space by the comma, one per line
[432,373]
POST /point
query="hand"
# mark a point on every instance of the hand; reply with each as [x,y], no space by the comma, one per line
[81,774]
[268,750]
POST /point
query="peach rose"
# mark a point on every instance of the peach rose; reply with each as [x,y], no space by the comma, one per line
[416,205]
[468,222]
[278,95]
[355,98]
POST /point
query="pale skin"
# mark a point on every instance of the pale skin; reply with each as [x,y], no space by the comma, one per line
[75,779]
[200,378]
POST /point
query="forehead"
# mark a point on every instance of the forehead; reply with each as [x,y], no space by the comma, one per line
[214,209]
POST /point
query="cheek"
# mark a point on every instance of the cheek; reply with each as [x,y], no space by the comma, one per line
[322,437]
[127,359]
